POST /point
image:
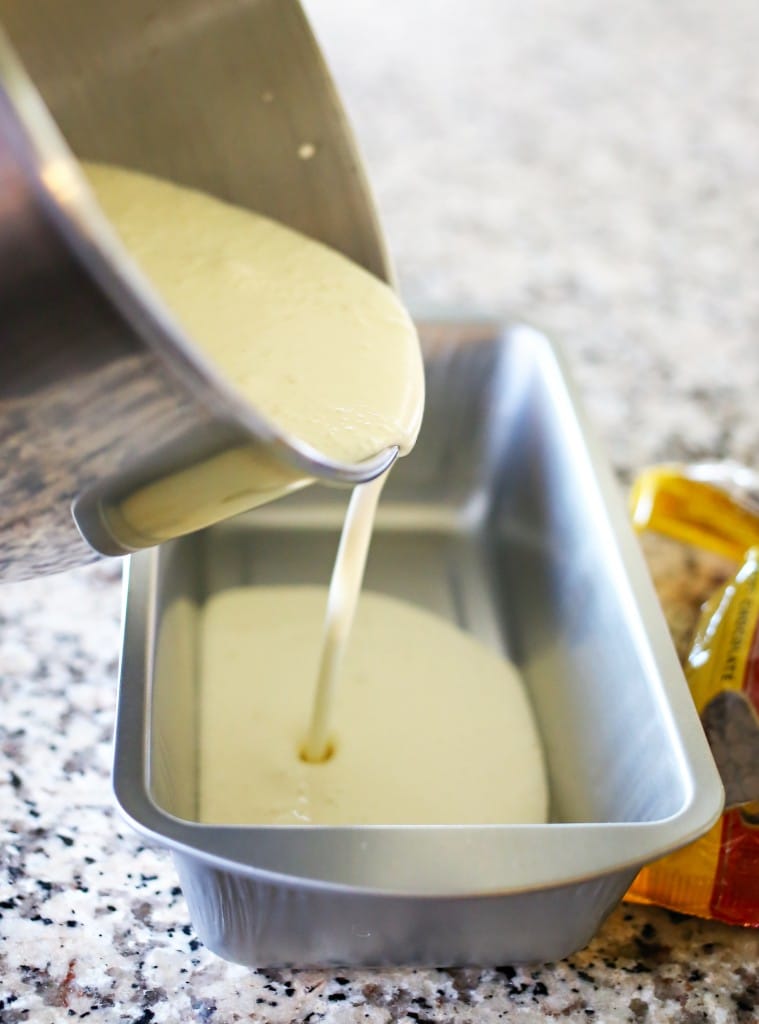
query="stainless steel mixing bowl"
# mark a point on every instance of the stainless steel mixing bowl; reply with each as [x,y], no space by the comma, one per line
[101,392]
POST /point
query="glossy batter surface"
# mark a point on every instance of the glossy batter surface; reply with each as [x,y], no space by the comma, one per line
[429,726]
[314,342]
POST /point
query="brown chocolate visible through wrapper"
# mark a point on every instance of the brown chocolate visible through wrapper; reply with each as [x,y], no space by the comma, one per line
[732,728]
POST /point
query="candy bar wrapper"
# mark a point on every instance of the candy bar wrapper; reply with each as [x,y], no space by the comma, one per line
[699,527]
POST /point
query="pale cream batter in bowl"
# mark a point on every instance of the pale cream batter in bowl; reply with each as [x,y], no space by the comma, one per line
[313,342]
[116,396]
[315,345]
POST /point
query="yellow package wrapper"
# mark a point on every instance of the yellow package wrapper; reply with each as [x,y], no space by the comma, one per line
[713,525]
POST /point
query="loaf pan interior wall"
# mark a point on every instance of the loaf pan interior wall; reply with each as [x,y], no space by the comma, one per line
[496,523]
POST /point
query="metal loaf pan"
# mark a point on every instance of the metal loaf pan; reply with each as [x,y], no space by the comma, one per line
[506,520]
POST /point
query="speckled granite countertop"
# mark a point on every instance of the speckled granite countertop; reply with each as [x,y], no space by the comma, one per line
[591,168]
[94,926]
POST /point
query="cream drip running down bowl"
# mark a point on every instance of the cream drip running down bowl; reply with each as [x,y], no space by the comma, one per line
[103,394]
